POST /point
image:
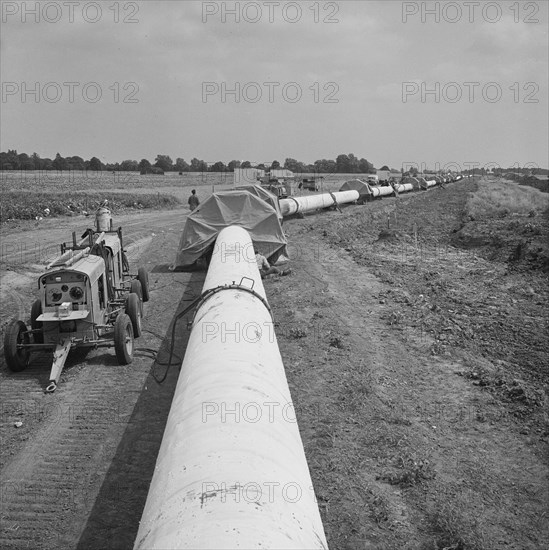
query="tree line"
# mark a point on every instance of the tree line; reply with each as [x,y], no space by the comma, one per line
[347,164]
[343,164]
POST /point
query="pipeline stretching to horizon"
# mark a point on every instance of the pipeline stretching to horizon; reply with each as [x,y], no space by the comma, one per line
[231,471]
[308,203]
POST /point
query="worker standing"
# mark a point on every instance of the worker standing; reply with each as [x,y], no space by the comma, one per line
[193,200]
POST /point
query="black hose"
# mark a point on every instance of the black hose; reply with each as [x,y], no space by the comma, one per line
[169,363]
[199,301]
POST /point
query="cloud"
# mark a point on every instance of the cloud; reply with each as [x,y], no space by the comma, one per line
[368,53]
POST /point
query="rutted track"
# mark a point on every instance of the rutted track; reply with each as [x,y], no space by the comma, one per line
[39,486]
[53,466]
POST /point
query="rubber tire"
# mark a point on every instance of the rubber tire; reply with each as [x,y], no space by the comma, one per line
[36,310]
[143,278]
[16,333]
[138,289]
[133,309]
[122,331]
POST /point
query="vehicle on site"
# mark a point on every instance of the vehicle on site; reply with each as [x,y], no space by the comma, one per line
[278,189]
[312,184]
[88,299]
[275,186]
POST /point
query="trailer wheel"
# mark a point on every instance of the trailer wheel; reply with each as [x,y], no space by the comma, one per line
[143,278]
[123,339]
[136,288]
[36,311]
[16,333]
[133,309]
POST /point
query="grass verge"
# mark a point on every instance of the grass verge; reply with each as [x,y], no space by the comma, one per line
[497,199]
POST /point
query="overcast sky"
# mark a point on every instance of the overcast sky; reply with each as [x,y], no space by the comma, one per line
[360,66]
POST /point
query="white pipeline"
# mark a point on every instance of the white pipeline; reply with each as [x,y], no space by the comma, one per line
[404,187]
[309,203]
[231,471]
[381,191]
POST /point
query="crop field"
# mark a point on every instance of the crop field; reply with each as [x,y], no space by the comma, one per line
[26,194]
[52,181]
[25,205]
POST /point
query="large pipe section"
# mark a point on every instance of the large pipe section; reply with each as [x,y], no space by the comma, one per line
[404,187]
[309,203]
[382,190]
[231,471]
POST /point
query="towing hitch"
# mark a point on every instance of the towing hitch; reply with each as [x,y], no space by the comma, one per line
[59,358]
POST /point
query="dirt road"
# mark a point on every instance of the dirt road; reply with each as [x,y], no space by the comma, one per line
[406,450]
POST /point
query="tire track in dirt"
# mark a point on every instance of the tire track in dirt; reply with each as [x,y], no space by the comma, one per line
[48,480]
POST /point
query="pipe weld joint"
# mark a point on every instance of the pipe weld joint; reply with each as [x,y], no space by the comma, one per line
[296,203]
[211,291]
